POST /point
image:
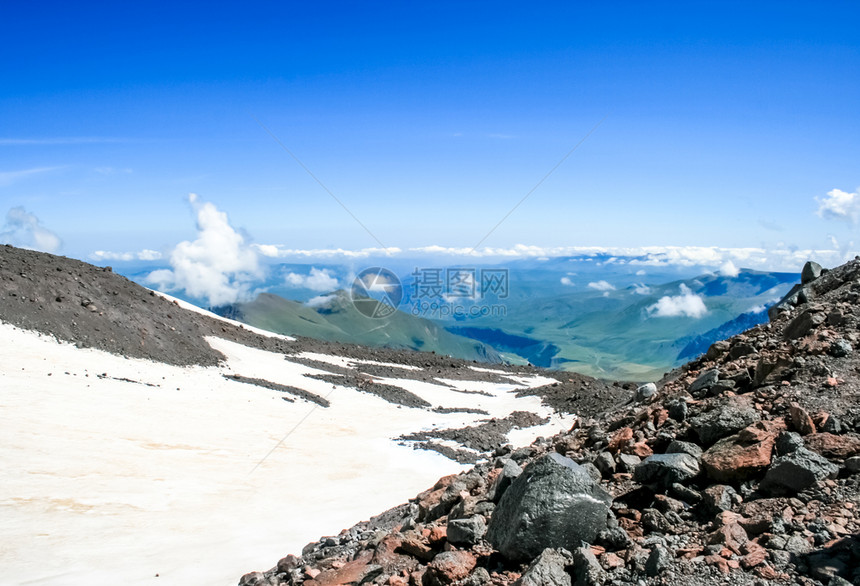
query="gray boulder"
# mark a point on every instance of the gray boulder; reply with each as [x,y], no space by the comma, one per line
[646,391]
[678,410]
[510,471]
[586,569]
[627,462]
[553,503]
[797,471]
[466,531]
[803,324]
[666,469]
[548,569]
[705,380]
[679,447]
[658,560]
[787,442]
[724,421]
[811,271]
[605,463]
[841,348]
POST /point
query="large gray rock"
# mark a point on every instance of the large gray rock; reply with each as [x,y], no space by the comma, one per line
[658,561]
[666,469]
[548,569]
[627,462]
[586,569]
[553,503]
[724,421]
[605,463]
[679,447]
[466,531]
[510,471]
[705,380]
[803,324]
[797,471]
[811,271]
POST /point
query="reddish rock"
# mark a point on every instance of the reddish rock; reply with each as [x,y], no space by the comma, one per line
[801,421]
[389,554]
[744,454]
[724,518]
[416,578]
[620,440]
[689,552]
[492,475]
[354,572]
[431,499]
[731,535]
[417,548]
[754,555]
[450,566]
[641,449]
[398,581]
[610,561]
[768,573]
[723,565]
[833,446]
[437,535]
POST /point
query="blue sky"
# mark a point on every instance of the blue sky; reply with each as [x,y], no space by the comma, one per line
[723,124]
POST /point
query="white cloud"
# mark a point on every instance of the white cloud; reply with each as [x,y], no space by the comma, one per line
[278,251]
[321,301]
[10,177]
[145,254]
[602,286]
[728,269]
[781,258]
[687,304]
[219,266]
[641,289]
[641,272]
[566,281]
[161,280]
[24,230]
[317,280]
[840,205]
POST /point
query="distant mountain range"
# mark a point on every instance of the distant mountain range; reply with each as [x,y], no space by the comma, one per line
[596,320]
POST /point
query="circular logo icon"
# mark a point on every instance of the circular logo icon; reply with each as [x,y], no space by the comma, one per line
[376,292]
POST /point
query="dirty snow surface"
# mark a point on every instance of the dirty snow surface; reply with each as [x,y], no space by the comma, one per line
[122,470]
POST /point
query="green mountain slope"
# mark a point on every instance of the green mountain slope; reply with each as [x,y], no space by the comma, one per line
[336,319]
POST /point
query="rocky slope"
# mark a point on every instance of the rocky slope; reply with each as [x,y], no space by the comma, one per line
[741,467]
